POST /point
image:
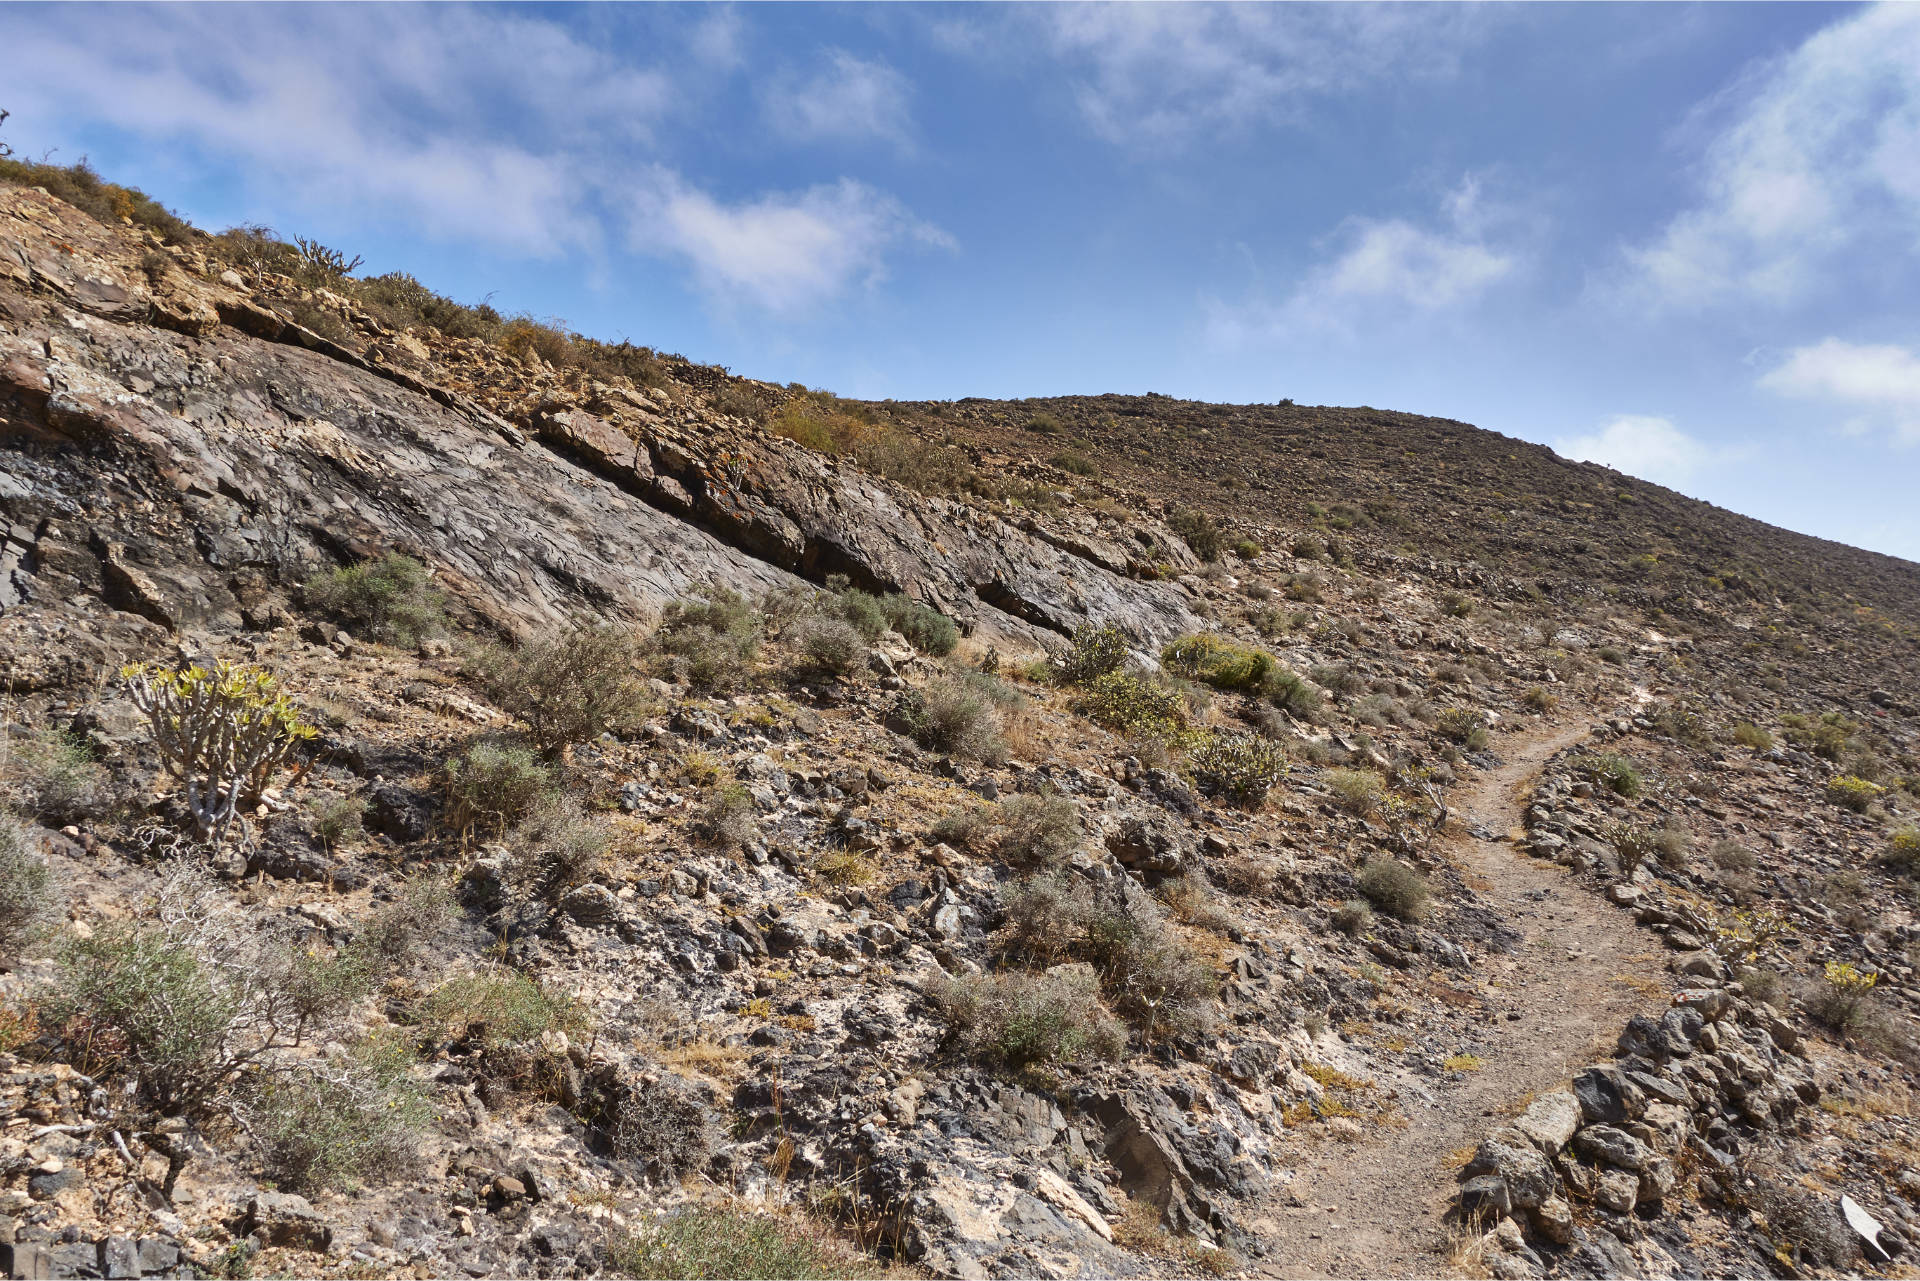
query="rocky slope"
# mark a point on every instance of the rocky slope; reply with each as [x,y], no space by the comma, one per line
[747,996]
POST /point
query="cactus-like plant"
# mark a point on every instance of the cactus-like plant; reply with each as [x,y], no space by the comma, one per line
[222,732]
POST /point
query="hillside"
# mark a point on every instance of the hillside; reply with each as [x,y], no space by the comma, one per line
[718,826]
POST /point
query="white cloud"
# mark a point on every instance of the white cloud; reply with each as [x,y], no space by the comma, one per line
[1155,73]
[1819,157]
[1387,267]
[475,125]
[1880,383]
[1650,448]
[783,252]
[845,98]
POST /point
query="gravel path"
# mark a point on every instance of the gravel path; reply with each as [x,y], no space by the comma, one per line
[1373,1208]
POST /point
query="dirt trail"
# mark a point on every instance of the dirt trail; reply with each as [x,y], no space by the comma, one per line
[1373,1208]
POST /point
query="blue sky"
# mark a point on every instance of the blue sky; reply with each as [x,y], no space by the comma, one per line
[1681,240]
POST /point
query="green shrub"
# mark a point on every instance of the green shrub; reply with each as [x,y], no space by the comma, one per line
[1219,662]
[1856,794]
[391,600]
[1305,588]
[1096,651]
[499,1009]
[1130,704]
[1240,766]
[493,785]
[726,819]
[1017,1021]
[1826,736]
[1464,726]
[1200,530]
[741,1244]
[338,818]
[1617,773]
[1148,971]
[555,848]
[1903,850]
[1539,699]
[1608,654]
[1394,888]
[1074,462]
[828,646]
[960,714]
[1353,917]
[1040,829]
[1752,736]
[29,898]
[336,1124]
[1356,791]
[51,775]
[1295,696]
[962,827]
[709,640]
[926,629]
[569,685]
[1456,605]
[394,936]
[1633,844]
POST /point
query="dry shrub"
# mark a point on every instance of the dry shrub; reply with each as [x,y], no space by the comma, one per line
[569,685]
[1018,1021]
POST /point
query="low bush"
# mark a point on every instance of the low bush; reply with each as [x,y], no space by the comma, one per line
[555,848]
[1730,856]
[961,714]
[1130,704]
[492,785]
[1041,829]
[1617,773]
[1239,766]
[845,867]
[398,934]
[963,827]
[742,1244]
[391,600]
[1850,792]
[1149,973]
[1295,696]
[828,646]
[926,629]
[1247,549]
[29,897]
[1200,531]
[1221,663]
[508,1017]
[1095,652]
[664,1126]
[336,1123]
[51,775]
[709,640]
[1826,736]
[726,819]
[1017,1021]
[1539,699]
[1839,997]
[105,202]
[1356,791]
[569,685]
[1749,735]
[1306,588]
[338,818]
[1353,917]
[1394,888]
[1903,850]
[1462,725]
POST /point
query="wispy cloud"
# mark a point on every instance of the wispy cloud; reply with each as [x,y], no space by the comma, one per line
[786,251]
[1878,385]
[474,125]
[1380,266]
[1150,74]
[1818,157]
[1648,447]
[844,98]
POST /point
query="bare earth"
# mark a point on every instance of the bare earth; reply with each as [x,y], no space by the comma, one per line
[1373,1208]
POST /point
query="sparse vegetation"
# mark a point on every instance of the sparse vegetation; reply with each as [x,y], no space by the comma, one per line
[709,641]
[1394,888]
[391,600]
[1358,792]
[568,686]
[737,1243]
[29,899]
[1040,830]
[961,714]
[1611,770]
[1353,917]
[492,785]
[1017,1021]
[52,775]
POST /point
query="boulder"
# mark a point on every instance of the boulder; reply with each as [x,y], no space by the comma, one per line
[1605,1097]
[1549,1121]
[1616,1190]
[288,1221]
[1613,1146]
[1512,1156]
